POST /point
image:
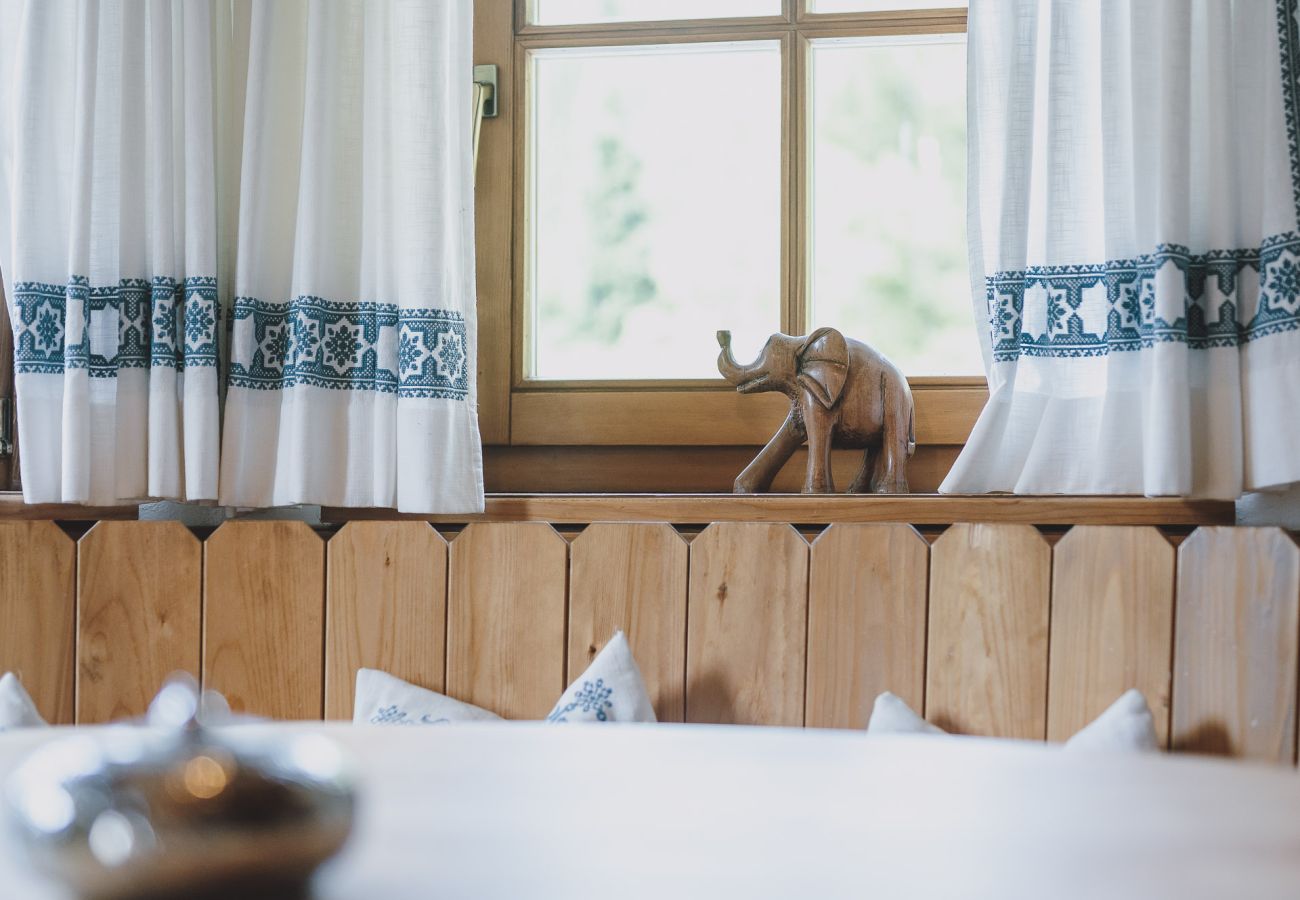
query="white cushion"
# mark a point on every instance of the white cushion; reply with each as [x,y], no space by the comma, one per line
[611,690]
[1126,726]
[384,699]
[890,715]
[16,707]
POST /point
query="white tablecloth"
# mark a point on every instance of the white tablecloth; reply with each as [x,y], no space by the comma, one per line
[532,810]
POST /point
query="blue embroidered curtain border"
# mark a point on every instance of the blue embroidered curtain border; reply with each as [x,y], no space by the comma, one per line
[350,346]
[337,345]
[1131,321]
[150,316]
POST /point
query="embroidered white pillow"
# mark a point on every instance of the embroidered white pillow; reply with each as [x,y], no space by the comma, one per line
[611,690]
[384,699]
[16,707]
[1125,726]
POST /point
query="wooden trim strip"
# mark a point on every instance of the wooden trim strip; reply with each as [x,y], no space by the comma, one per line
[943,416]
[597,32]
[915,509]
[13,507]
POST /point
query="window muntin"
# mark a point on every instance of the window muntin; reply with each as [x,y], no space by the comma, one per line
[879,6]
[585,12]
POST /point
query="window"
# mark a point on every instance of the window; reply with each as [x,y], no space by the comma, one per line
[665,169]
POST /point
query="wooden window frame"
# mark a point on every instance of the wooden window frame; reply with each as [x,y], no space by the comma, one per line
[695,412]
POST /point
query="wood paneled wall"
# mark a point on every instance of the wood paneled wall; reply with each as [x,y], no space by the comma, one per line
[990,629]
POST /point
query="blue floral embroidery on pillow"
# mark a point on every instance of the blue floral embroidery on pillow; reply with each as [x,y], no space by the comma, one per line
[394,715]
[589,698]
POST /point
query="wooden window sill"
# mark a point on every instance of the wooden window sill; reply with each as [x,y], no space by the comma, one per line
[699,509]
[916,509]
[13,507]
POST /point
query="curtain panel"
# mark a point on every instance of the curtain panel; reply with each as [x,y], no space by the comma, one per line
[109,225]
[1134,179]
[282,192]
[353,345]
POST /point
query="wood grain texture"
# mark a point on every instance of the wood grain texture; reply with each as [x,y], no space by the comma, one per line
[986,671]
[866,621]
[506,617]
[264,618]
[38,614]
[493,222]
[918,509]
[661,417]
[1235,644]
[385,607]
[12,507]
[747,619]
[656,470]
[632,577]
[1112,625]
[139,614]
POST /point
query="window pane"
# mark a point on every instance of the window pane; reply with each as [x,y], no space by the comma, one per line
[656,207]
[838,6]
[889,188]
[574,12]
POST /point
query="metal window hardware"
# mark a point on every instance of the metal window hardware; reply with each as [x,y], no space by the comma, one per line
[485,101]
[485,78]
[6,427]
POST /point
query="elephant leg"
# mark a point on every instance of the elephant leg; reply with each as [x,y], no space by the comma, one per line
[759,474]
[889,475]
[861,483]
[820,479]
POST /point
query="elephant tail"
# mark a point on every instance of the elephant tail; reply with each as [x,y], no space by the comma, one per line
[911,431]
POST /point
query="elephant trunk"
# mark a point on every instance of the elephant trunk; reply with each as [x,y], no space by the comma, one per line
[727,365]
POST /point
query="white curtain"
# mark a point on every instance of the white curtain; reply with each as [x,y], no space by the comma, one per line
[1134,178]
[108,245]
[299,171]
[353,351]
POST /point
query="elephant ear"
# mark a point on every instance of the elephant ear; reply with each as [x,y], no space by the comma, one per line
[824,365]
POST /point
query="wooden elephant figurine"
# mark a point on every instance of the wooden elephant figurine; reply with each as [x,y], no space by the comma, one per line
[842,393]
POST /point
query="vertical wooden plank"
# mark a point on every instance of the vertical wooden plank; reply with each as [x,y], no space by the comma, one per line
[1235,643]
[986,670]
[866,621]
[632,577]
[385,607]
[746,640]
[264,618]
[493,222]
[38,612]
[139,603]
[1112,624]
[505,617]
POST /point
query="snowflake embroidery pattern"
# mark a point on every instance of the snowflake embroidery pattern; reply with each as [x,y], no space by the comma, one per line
[341,345]
[275,345]
[305,338]
[1284,284]
[592,697]
[410,359]
[1128,307]
[49,330]
[449,354]
[164,320]
[200,323]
